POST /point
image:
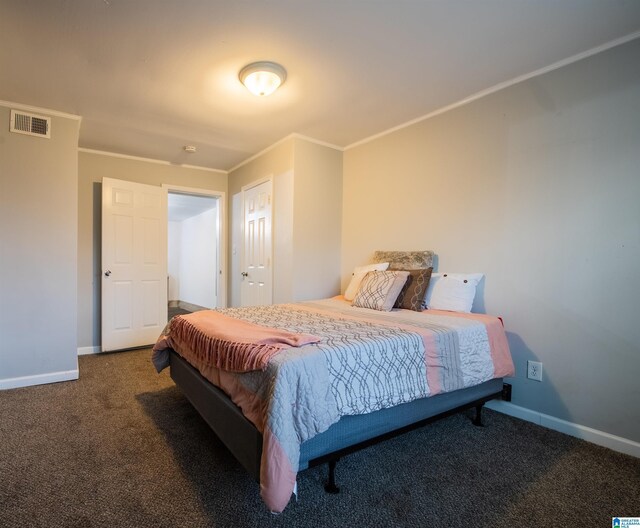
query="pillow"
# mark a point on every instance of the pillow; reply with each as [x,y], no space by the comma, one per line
[412,296]
[358,274]
[405,260]
[380,289]
[452,291]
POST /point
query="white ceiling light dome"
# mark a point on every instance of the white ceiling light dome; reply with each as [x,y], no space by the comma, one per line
[262,78]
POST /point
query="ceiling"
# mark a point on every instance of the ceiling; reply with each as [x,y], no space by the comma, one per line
[182,206]
[151,76]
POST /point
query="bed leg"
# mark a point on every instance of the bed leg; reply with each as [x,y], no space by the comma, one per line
[477,421]
[330,487]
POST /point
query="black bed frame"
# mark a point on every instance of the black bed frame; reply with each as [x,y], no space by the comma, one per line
[245,442]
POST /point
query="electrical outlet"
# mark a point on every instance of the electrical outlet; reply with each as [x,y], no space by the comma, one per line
[534,370]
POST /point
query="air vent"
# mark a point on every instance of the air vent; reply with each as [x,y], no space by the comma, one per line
[30,124]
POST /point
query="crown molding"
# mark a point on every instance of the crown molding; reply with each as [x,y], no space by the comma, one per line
[317,141]
[148,160]
[501,86]
[293,135]
[258,154]
[39,110]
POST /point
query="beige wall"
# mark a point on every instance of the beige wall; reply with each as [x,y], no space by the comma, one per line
[92,168]
[307,194]
[276,163]
[38,253]
[317,220]
[538,187]
[273,163]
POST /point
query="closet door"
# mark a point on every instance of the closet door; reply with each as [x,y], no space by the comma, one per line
[256,287]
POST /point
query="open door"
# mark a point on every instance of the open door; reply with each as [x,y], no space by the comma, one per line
[134,264]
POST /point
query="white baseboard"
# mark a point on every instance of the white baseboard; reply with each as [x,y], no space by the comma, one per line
[89,350]
[39,379]
[617,443]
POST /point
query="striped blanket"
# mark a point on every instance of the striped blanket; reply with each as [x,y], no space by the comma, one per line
[365,361]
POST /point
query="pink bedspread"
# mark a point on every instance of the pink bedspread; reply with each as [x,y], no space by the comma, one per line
[226,343]
[304,390]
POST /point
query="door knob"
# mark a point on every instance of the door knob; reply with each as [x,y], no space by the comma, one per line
[107,273]
[244,274]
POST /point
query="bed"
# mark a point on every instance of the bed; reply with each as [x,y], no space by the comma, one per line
[358,376]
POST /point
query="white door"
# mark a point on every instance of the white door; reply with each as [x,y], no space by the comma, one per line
[256,288]
[134,264]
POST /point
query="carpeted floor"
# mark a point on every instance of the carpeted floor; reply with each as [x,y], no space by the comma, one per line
[174,310]
[121,447]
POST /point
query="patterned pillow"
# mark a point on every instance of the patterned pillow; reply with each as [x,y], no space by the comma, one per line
[380,289]
[359,273]
[405,260]
[412,296]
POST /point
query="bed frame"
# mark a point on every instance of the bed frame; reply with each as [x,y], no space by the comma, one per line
[349,434]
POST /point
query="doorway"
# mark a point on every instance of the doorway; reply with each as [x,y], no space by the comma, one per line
[194,253]
[135,259]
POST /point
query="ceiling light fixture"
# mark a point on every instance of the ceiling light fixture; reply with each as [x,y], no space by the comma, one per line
[262,78]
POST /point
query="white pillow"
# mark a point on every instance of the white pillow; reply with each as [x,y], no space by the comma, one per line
[358,274]
[452,291]
[380,289]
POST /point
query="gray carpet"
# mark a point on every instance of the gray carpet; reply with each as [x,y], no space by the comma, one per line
[121,447]
[172,311]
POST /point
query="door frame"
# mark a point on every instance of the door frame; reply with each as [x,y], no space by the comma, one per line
[221,301]
[243,189]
